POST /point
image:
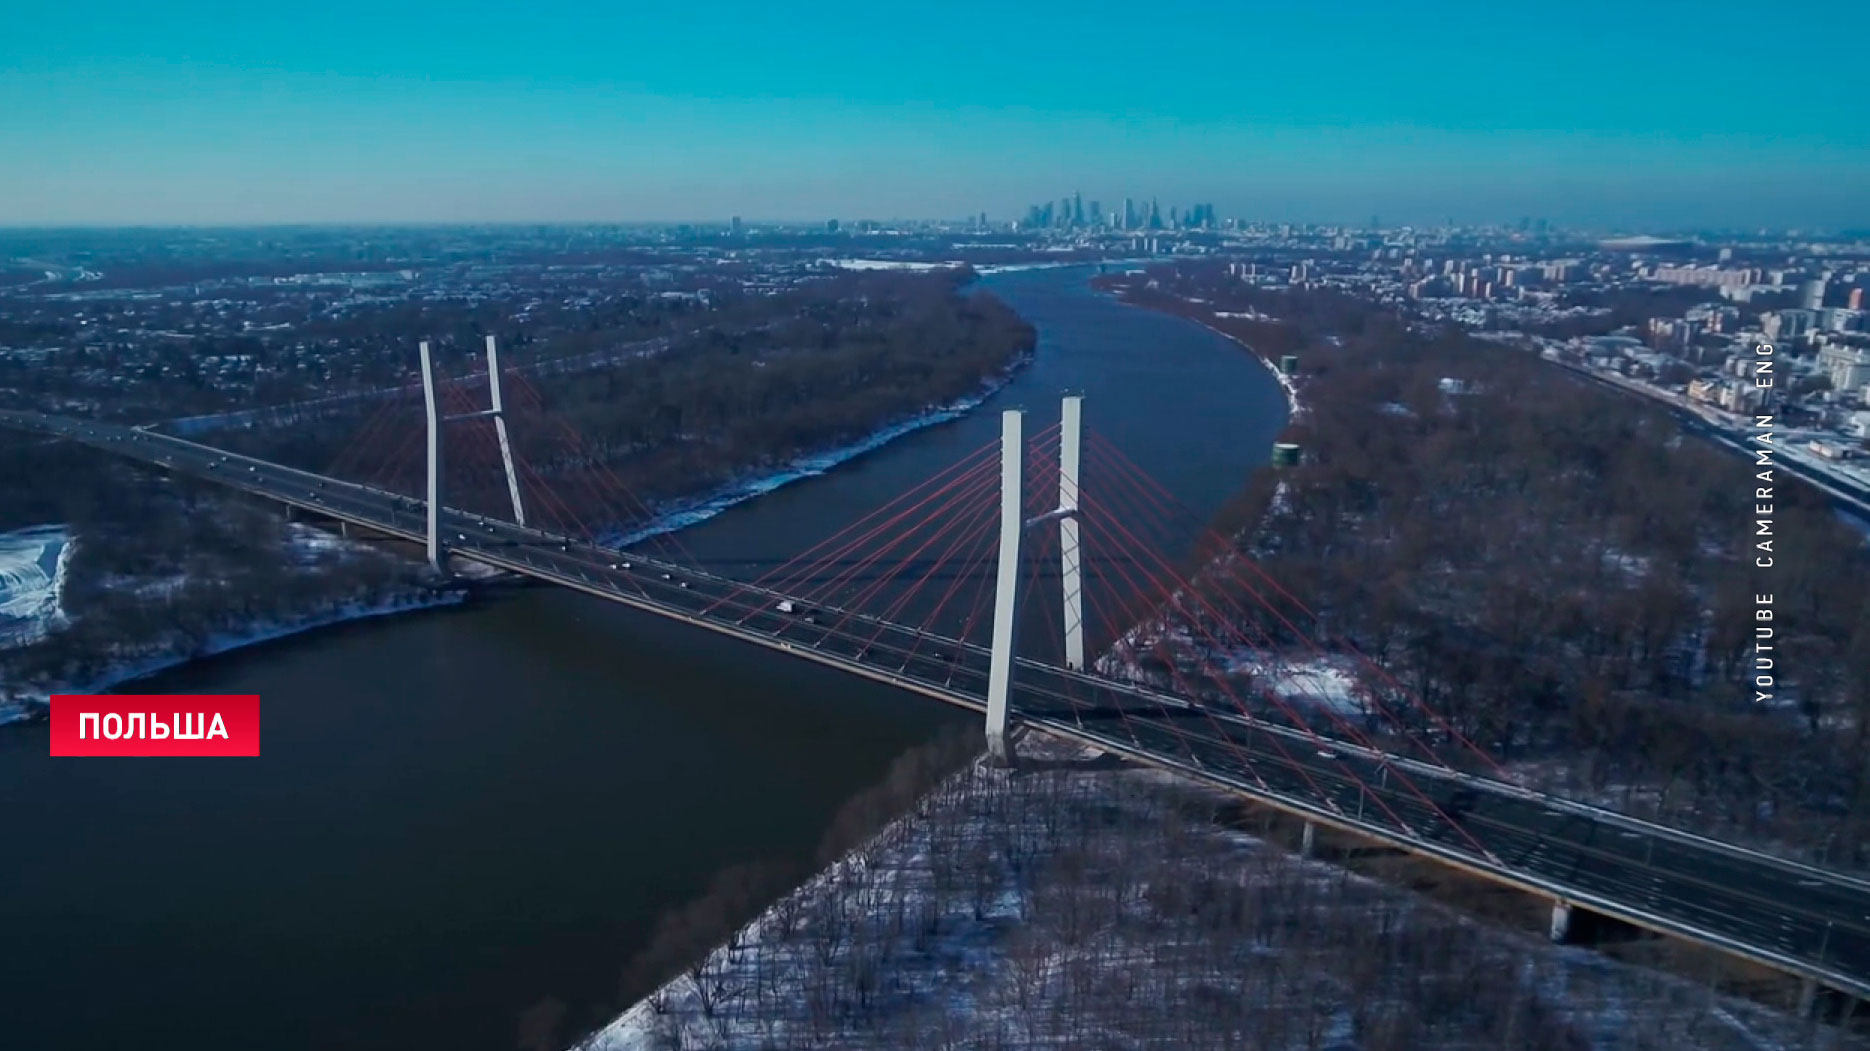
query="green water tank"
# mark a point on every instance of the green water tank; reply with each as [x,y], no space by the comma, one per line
[1285,454]
[1289,364]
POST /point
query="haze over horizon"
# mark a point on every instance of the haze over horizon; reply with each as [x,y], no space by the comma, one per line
[1607,116]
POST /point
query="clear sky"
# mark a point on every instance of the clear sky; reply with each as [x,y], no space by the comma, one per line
[1638,113]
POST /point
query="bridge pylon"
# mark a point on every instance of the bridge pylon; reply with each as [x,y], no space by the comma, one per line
[1013,527]
[1070,553]
[438,554]
[499,426]
[437,549]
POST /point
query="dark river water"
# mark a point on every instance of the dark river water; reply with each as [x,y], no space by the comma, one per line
[459,813]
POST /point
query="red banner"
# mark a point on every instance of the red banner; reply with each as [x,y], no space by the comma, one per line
[155,724]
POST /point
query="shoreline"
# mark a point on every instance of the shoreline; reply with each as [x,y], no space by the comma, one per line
[669,519]
[680,514]
[33,707]
[1294,407]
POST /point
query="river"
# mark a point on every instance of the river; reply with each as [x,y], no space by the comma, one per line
[460,813]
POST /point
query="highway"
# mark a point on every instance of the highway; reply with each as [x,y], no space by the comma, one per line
[1797,918]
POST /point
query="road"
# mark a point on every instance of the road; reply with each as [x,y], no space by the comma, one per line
[1845,492]
[1798,918]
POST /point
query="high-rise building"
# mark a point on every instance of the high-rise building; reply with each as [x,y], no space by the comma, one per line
[1129,214]
[736,226]
[1155,215]
[831,226]
[1812,294]
[1786,325]
[1077,209]
[1857,299]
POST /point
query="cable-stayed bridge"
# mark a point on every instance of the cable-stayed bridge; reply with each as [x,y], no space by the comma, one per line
[989,586]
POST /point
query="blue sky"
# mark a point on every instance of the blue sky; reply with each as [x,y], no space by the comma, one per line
[1644,113]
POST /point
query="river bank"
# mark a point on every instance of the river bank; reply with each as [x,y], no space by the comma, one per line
[1289,384]
[677,515]
[29,706]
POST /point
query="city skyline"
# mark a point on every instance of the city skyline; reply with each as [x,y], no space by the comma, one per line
[194,115]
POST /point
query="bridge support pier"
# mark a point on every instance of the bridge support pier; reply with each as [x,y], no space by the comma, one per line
[1560,930]
[438,555]
[1308,840]
[1006,585]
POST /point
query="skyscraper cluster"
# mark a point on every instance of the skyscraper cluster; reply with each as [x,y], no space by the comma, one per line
[1075,213]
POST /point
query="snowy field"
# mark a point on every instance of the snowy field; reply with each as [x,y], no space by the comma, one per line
[1098,908]
[32,572]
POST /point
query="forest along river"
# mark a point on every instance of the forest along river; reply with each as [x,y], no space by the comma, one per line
[460,813]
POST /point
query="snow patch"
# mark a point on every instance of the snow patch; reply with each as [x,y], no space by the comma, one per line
[32,578]
[887,264]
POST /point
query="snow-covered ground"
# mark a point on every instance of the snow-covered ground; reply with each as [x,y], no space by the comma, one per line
[32,575]
[1058,908]
[1334,685]
[887,264]
[1331,685]
[305,545]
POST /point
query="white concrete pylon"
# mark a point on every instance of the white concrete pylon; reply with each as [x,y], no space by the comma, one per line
[499,427]
[438,555]
[1006,584]
[1071,557]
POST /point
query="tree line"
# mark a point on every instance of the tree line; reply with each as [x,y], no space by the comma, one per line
[852,354]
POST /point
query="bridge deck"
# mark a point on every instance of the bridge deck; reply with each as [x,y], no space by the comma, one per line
[1795,917]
